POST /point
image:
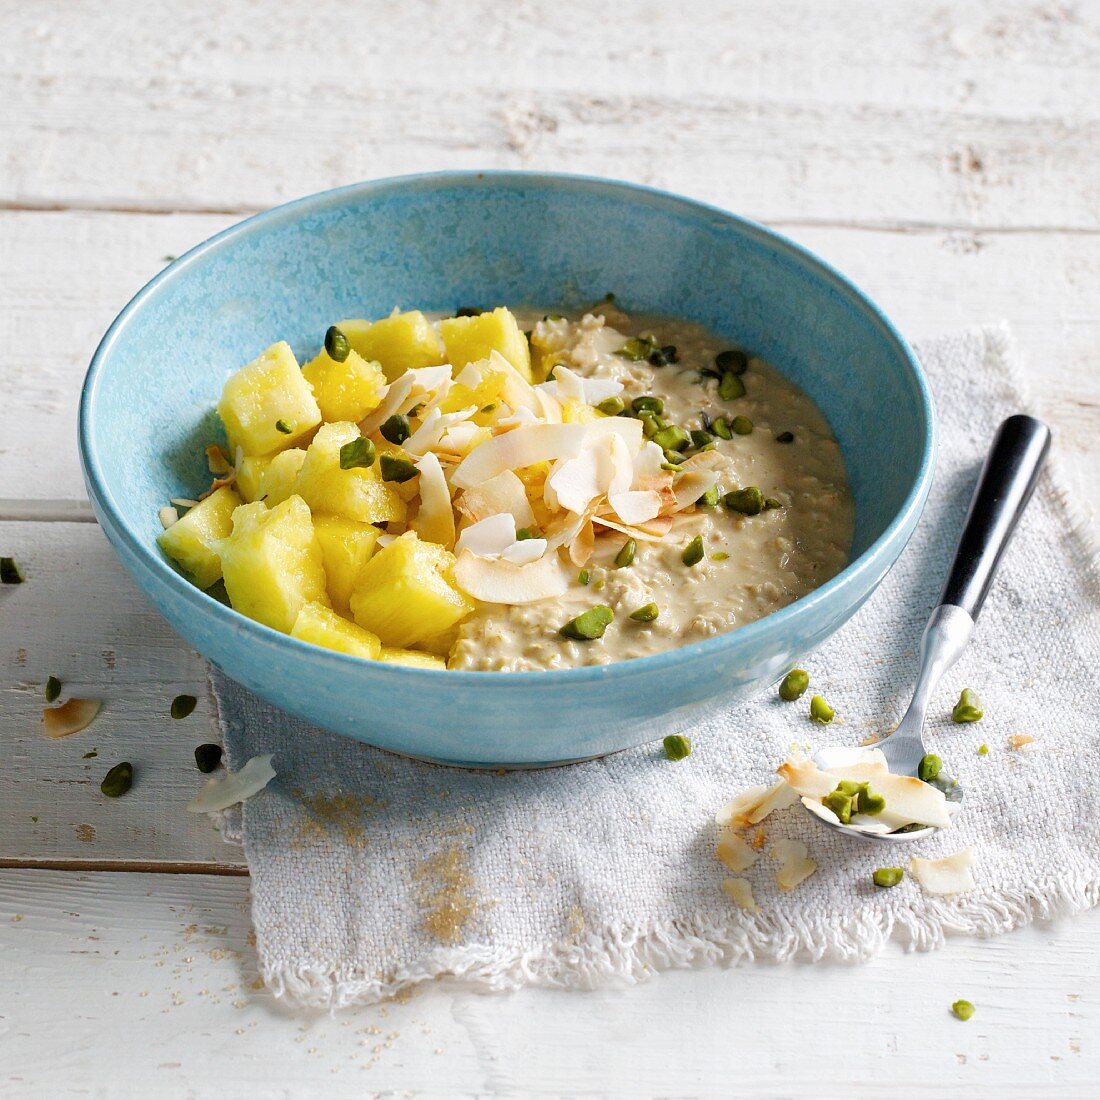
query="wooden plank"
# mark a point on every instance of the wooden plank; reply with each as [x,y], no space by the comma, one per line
[929,281]
[976,114]
[167,961]
[78,617]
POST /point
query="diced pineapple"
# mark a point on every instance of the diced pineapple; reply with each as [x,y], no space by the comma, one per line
[399,342]
[468,339]
[347,390]
[577,412]
[279,480]
[194,542]
[411,657]
[321,626]
[268,391]
[346,546]
[272,564]
[404,593]
[486,392]
[358,493]
[250,475]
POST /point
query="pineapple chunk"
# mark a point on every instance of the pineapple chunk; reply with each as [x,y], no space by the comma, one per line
[404,593]
[268,391]
[413,658]
[400,342]
[272,563]
[347,390]
[469,339]
[346,546]
[321,626]
[359,493]
[486,392]
[578,412]
[194,541]
[271,478]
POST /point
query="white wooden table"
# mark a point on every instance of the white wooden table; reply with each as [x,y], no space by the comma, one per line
[946,156]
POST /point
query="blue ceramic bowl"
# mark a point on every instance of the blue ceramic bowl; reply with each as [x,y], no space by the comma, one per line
[436,242]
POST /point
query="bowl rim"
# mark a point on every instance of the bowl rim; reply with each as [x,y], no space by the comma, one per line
[852,576]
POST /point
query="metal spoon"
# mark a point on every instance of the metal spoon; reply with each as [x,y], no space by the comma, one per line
[1004,487]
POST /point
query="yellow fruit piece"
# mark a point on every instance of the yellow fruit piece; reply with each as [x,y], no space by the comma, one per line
[346,545]
[321,626]
[272,563]
[413,658]
[577,412]
[347,390]
[194,541]
[400,342]
[469,339]
[486,392]
[268,391]
[404,593]
[270,478]
[358,493]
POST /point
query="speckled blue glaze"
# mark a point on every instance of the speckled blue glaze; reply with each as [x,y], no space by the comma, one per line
[437,242]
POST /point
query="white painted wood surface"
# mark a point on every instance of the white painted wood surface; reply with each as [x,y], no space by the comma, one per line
[946,156]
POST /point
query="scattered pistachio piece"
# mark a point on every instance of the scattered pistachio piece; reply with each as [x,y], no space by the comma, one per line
[625,556]
[968,708]
[183,705]
[677,746]
[785,437]
[693,552]
[208,757]
[118,780]
[336,345]
[929,767]
[720,556]
[589,625]
[886,877]
[397,469]
[710,498]
[963,1009]
[283,427]
[731,387]
[794,685]
[10,573]
[748,501]
[983,750]
[583,577]
[820,711]
[359,452]
[396,429]
[53,689]
[741,425]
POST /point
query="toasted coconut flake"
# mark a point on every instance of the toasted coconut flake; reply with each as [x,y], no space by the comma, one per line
[217,460]
[843,756]
[752,806]
[648,463]
[644,533]
[432,429]
[224,791]
[635,506]
[518,418]
[490,537]
[525,552]
[525,446]
[950,875]
[735,852]
[794,865]
[497,581]
[220,483]
[690,486]
[1019,740]
[503,493]
[184,502]
[406,391]
[69,718]
[579,481]
[583,545]
[435,522]
[739,891]
[167,516]
[567,385]
[805,777]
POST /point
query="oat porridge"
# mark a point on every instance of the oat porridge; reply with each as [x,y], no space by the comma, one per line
[514,489]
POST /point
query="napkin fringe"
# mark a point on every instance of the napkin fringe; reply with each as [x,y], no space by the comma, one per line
[633,955]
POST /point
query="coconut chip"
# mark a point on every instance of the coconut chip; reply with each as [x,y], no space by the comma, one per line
[167,516]
[735,852]
[503,493]
[489,537]
[794,865]
[752,806]
[217,460]
[1019,740]
[69,718]
[224,791]
[950,875]
[497,581]
[739,891]
[435,522]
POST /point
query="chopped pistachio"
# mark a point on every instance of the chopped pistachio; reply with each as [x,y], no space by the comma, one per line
[10,573]
[731,387]
[583,577]
[840,803]
[626,555]
[733,361]
[53,689]
[611,406]
[983,750]
[794,685]
[336,345]
[183,705]
[748,501]
[772,502]
[677,746]
[395,429]
[741,425]
[646,614]
[589,625]
[963,1009]
[647,403]
[722,428]
[721,555]
[710,498]
[525,533]
[637,348]
[887,877]
[284,427]
[929,767]
[118,780]
[359,452]
[208,757]
[820,711]
[968,708]
[785,437]
[397,469]
[89,754]
[693,552]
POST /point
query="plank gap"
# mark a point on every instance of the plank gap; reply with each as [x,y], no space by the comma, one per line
[136,866]
[47,511]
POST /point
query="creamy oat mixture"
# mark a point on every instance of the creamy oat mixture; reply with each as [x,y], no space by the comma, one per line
[753,564]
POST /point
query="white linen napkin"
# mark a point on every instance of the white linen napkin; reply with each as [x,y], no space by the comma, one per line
[372,873]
